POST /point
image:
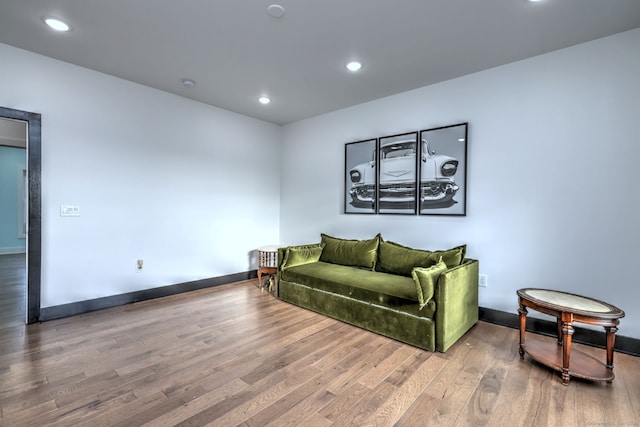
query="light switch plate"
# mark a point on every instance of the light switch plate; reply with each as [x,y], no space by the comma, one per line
[68,210]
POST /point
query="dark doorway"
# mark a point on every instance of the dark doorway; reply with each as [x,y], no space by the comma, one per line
[34,220]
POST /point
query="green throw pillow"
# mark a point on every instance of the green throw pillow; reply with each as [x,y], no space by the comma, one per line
[426,279]
[356,253]
[298,255]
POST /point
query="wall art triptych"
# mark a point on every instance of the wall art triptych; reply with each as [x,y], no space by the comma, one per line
[422,172]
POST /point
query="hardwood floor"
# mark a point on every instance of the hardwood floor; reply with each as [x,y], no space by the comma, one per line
[235,355]
[13,290]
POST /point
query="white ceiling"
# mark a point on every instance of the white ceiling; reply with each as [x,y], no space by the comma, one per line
[236,51]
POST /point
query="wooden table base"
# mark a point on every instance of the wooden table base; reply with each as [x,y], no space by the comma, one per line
[569,308]
[582,365]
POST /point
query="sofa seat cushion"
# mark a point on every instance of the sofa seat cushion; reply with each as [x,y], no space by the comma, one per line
[392,291]
[407,325]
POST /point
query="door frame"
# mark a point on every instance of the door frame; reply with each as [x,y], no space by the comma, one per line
[34,236]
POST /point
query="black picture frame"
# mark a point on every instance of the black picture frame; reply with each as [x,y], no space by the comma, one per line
[397,174]
[443,170]
[360,177]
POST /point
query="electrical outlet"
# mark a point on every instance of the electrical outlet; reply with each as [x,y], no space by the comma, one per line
[482,281]
[139,265]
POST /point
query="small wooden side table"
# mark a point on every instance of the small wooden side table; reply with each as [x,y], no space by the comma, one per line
[569,308]
[267,262]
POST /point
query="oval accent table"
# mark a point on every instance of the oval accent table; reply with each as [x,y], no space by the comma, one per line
[568,308]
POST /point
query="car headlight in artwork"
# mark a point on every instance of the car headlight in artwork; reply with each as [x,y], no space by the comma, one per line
[449,168]
[355,176]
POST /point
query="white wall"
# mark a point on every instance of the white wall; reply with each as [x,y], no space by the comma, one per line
[553,170]
[190,189]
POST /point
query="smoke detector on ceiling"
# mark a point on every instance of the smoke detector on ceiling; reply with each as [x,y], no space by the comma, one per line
[188,83]
[276,11]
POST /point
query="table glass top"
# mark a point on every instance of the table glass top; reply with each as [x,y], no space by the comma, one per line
[573,302]
[269,248]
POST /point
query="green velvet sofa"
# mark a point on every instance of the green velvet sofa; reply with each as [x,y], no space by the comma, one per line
[428,299]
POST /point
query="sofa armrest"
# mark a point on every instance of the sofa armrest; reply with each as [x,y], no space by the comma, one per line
[456,298]
[281,252]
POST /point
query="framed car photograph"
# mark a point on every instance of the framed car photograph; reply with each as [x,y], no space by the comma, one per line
[443,170]
[360,177]
[397,174]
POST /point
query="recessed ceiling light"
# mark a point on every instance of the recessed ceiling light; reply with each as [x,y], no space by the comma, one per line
[276,11]
[188,82]
[354,66]
[534,1]
[264,100]
[56,24]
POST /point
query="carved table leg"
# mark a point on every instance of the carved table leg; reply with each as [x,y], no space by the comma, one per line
[611,339]
[567,332]
[523,326]
[559,335]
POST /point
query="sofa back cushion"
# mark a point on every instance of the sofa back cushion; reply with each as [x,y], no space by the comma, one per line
[397,259]
[354,253]
[394,258]
[452,257]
